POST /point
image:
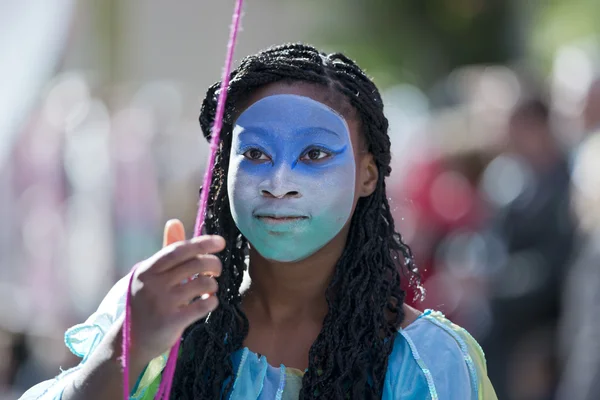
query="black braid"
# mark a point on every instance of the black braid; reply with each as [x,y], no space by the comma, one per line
[349,357]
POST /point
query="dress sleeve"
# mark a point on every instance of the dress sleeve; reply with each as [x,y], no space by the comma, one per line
[436,359]
[485,389]
[467,356]
[82,340]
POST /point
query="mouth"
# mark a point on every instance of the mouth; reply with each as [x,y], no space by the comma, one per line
[279,219]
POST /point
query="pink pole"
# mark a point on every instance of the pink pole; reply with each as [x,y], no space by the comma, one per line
[164,390]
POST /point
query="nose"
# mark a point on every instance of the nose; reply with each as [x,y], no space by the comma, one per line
[280,184]
[280,194]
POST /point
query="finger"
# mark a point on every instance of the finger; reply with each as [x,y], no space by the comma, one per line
[205,265]
[198,288]
[180,252]
[174,232]
[197,310]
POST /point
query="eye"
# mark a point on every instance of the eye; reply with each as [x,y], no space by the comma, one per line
[315,154]
[255,155]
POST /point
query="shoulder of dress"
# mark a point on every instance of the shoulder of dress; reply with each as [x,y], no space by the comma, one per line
[445,354]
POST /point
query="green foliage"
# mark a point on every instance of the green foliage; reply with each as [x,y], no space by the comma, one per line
[559,23]
[421,41]
[418,41]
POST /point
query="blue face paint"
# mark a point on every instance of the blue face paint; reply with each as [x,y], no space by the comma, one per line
[291,176]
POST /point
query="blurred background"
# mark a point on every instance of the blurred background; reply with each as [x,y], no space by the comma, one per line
[494,108]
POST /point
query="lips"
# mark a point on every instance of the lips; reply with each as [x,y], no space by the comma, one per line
[276,220]
[279,217]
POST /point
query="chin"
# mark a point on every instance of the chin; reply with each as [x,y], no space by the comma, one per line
[288,257]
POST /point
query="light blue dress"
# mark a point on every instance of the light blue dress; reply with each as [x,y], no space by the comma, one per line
[432,359]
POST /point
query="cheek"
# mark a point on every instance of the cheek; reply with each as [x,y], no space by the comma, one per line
[240,186]
[232,177]
[333,192]
[340,183]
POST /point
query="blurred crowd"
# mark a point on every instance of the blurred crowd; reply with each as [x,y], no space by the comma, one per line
[495,186]
[500,206]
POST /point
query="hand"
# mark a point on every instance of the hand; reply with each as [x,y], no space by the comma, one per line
[165,299]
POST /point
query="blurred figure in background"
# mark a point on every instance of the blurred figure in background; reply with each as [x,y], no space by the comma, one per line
[529,184]
[580,328]
[445,206]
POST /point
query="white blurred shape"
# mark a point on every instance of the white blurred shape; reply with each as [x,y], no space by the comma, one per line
[572,74]
[89,256]
[586,182]
[32,36]
[499,88]
[586,169]
[505,179]
[87,158]
[407,110]
[67,102]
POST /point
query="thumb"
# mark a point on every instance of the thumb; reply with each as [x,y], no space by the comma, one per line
[174,232]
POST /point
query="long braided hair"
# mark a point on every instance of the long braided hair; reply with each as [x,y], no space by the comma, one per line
[350,355]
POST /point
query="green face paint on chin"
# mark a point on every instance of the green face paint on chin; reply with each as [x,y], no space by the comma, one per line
[291,177]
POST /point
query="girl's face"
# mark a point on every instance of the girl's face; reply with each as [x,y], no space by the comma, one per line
[292,175]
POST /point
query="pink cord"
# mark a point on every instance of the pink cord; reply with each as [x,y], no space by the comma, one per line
[216,131]
[127,337]
[164,390]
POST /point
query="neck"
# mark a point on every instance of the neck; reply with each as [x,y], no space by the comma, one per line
[280,292]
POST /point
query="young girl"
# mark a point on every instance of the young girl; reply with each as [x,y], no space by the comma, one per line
[307,300]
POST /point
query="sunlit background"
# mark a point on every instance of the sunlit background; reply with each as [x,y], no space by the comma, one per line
[494,108]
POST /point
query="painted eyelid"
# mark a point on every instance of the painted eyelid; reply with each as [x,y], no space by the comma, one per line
[322,148]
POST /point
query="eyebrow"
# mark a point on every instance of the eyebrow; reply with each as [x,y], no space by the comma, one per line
[319,129]
[255,129]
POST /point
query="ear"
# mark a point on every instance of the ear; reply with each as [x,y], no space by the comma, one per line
[367,176]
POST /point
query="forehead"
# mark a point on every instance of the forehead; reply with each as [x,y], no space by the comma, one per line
[315,92]
[283,111]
